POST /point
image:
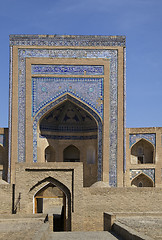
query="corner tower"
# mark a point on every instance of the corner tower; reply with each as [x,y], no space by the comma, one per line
[67,98]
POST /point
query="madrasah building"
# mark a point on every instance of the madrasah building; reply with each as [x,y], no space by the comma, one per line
[67,144]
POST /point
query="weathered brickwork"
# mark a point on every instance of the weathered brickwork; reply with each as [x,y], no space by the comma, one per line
[5,198]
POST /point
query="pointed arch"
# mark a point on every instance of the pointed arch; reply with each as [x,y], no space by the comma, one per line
[142,180]
[44,183]
[49,154]
[140,139]
[71,154]
[85,107]
[142,152]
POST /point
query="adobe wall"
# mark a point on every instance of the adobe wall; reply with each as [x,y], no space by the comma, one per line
[96,201]
[29,177]
[5,198]
[87,204]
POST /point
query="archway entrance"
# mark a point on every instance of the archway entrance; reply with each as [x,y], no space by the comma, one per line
[52,201]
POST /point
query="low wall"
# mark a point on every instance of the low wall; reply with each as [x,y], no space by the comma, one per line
[96,201]
[5,198]
[128,233]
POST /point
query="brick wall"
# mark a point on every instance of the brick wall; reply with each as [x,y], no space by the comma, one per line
[5,198]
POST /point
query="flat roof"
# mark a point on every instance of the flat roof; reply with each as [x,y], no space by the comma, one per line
[67,40]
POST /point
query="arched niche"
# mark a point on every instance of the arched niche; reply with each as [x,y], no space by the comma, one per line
[142,180]
[71,154]
[142,152]
[49,154]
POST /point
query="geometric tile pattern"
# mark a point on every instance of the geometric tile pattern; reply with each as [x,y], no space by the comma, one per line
[88,90]
[67,69]
[149,172]
[57,40]
[151,137]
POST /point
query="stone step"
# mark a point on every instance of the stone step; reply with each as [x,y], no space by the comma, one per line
[81,235]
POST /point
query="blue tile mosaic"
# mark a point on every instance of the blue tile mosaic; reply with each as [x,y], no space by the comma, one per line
[67,69]
[88,90]
[149,172]
[151,137]
[70,53]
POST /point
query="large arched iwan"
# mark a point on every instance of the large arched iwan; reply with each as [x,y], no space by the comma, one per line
[52,105]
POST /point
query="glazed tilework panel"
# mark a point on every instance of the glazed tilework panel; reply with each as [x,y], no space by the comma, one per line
[71,53]
[133,138]
[67,69]
[149,172]
[2,140]
[88,90]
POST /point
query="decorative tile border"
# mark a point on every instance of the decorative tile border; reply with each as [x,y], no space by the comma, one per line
[67,69]
[36,40]
[88,90]
[67,40]
[86,108]
[151,137]
[124,113]
[57,137]
[149,172]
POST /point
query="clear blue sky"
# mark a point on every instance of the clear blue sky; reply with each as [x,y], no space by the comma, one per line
[139,20]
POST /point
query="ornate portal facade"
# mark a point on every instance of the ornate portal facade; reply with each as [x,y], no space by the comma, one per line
[67,137]
[68,91]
